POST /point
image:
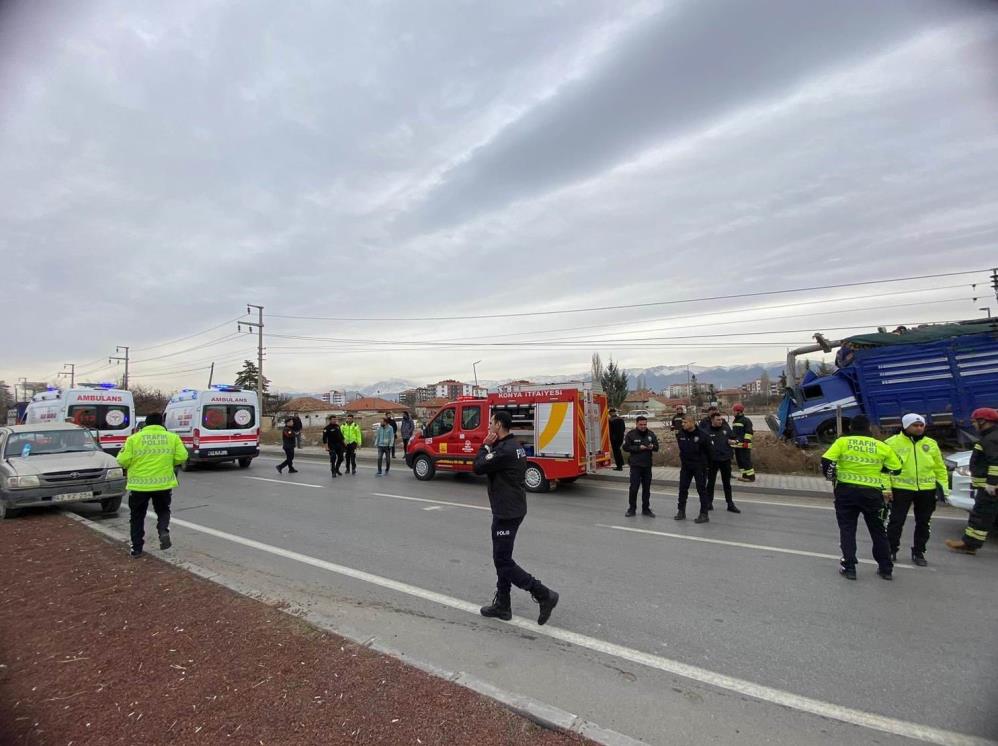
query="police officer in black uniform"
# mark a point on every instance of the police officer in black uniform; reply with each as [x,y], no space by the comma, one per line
[640,443]
[721,439]
[694,457]
[617,429]
[504,461]
[332,440]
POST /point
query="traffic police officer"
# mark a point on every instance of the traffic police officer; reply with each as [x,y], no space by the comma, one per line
[922,468]
[741,426]
[984,478]
[151,457]
[857,463]
[504,462]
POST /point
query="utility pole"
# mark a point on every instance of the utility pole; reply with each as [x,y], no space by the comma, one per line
[211,374]
[258,325]
[474,367]
[120,358]
[71,374]
[994,281]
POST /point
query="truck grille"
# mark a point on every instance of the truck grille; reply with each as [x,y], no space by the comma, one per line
[60,477]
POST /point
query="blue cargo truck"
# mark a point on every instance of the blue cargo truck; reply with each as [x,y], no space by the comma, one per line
[943,371]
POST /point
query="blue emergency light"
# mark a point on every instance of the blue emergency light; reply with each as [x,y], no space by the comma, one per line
[106,385]
[225,387]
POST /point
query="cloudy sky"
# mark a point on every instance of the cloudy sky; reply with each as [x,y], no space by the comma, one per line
[395,180]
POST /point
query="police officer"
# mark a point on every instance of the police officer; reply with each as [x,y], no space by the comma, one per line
[504,462]
[720,439]
[352,439]
[332,441]
[922,469]
[984,478]
[741,426]
[640,443]
[857,462]
[289,438]
[617,429]
[677,418]
[694,456]
[151,458]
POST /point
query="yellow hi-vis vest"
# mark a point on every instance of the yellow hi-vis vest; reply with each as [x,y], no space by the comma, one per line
[861,460]
[922,465]
[150,456]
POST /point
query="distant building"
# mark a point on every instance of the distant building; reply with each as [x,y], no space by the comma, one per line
[334,397]
[312,411]
[451,389]
[756,388]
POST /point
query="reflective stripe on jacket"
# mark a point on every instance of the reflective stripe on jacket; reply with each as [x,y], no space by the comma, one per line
[150,456]
[861,460]
[922,465]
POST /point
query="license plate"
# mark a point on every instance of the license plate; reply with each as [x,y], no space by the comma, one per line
[72,497]
[217,453]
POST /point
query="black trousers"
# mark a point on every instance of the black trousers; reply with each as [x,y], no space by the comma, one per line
[405,445]
[982,519]
[351,457]
[852,501]
[618,455]
[289,458]
[924,502]
[640,477]
[508,573]
[744,458]
[687,475]
[724,469]
[138,504]
[335,459]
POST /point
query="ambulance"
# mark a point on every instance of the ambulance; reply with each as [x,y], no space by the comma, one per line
[221,423]
[100,407]
[564,428]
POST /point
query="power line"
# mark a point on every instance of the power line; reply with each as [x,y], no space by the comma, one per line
[209,343]
[632,305]
[189,336]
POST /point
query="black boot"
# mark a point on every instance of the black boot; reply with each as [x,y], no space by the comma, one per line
[164,540]
[918,558]
[499,608]
[732,508]
[547,599]
[680,515]
[702,518]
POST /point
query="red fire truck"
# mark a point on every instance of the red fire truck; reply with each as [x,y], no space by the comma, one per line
[563,428]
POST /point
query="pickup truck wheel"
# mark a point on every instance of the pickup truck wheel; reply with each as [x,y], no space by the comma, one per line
[245,462]
[423,468]
[110,505]
[534,479]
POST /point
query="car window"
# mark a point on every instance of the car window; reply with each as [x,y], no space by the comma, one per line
[442,424]
[471,418]
[227,417]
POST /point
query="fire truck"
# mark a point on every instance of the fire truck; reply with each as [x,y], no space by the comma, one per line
[563,428]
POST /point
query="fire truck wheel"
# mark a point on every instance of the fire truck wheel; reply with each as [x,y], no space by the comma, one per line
[534,479]
[423,468]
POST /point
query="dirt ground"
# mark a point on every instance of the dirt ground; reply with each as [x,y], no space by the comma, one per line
[99,648]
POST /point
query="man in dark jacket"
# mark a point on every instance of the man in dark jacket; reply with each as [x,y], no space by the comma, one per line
[405,430]
[721,441]
[617,429]
[395,431]
[677,418]
[504,462]
[694,457]
[741,426]
[288,440]
[296,424]
[332,441]
[640,443]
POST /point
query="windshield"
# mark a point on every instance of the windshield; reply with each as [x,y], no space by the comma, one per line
[47,442]
[100,416]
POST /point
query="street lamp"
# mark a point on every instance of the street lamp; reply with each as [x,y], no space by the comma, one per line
[474,368]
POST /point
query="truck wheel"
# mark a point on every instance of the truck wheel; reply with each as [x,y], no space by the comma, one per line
[423,468]
[245,462]
[826,431]
[110,505]
[534,479]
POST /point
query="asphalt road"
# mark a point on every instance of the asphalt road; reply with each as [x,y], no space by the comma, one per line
[736,631]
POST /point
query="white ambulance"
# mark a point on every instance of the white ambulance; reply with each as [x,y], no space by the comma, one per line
[100,407]
[219,424]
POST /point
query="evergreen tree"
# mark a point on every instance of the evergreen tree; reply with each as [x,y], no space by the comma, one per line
[614,382]
[246,378]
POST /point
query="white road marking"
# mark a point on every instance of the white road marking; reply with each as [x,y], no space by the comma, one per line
[434,507]
[435,502]
[284,481]
[817,707]
[743,545]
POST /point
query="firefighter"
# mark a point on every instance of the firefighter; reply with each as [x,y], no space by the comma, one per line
[857,464]
[741,426]
[640,443]
[984,478]
[617,429]
[694,457]
[922,468]
[503,460]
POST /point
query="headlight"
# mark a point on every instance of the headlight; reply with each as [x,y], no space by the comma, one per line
[115,473]
[963,471]
[17,483]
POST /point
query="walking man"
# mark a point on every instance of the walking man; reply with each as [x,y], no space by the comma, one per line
[406,429]
[984,479]
[151,458]
[721,439]
[332,441]
[922,468]
[640,443]
[741,426]
[503,461]
[858,462]
[288,440]
[352,439]
[694,458]
[617,429]
[384,440]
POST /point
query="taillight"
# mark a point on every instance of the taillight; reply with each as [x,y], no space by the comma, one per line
[258,435]
[197,438]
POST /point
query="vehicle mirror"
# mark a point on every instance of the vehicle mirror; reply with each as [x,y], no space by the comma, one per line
[95,434]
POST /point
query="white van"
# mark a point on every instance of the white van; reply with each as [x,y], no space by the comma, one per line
[219,424]
[101,407]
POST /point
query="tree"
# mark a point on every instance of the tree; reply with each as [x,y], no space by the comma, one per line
[274,403]
[597,370]
[148,401]
[246,378]
[614,382]
[764,384]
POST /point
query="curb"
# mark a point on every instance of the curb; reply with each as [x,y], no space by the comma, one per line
[742,487]
[541,713]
